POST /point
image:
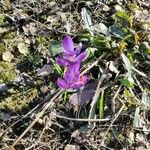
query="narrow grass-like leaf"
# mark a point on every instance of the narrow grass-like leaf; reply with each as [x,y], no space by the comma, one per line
[92,112]
[101,109]
[126,82]
[58,69]
[125,16]
[55,48]
[118,31]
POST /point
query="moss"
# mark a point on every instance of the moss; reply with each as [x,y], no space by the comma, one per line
[1,19]
[6,5]
[133,6]
[18,100]
[9,35]
[2,48]
[6,72]
[9,38]
[43,41]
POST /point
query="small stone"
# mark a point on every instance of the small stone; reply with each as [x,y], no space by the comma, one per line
[45,70]
[3,87]
[118,8]
[72,147]
[106,8]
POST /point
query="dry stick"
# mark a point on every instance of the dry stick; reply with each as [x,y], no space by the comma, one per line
[40,114]
[113,100]
[111,125]
[96,95]
[92,65]
[80,119]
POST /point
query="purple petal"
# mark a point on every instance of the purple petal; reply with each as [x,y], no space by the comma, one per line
[78,49]
[73,67]
[71,56]
[67,44]
[81,82]
[86,96]
[80,57]
[61,61]
[61,83]
[72,73]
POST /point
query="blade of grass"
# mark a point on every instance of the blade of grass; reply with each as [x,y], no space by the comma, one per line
[96,96]
[101,109]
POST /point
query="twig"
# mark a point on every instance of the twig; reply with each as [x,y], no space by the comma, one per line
[111,125]
[113,100]
[40,114]
[80,119]
[93,64]
[1,134]
[96,95]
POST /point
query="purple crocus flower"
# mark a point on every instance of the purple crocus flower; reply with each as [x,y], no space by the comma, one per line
[72,78]
[71,60]
[70,55]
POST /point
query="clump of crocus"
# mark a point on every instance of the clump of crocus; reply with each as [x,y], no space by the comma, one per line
[71,61]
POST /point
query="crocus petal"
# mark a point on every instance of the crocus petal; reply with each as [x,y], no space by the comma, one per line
[61,61]
[61,83]
[81,82]
[67,44]
[72,73]
[80,57]
[78,49]
[70,56]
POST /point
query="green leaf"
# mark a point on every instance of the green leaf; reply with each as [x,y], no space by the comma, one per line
[127,63]
[101,28]
[101,109]
[34,59]
[145,45]
[58,69]
[125,16]
[118,30]
[127,83]
[102,42]
[55,48]
[90,52]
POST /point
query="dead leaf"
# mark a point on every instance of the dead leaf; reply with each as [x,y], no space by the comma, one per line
[51,18]
[45,70]
[7,56]
[113,68]
[20,14]
[23,48]
[30,29]
[82,97]
[4,116]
